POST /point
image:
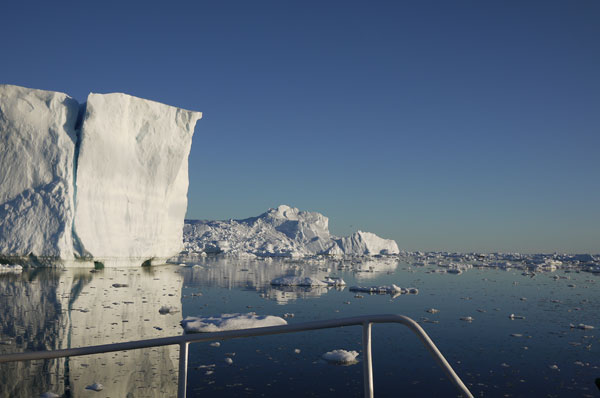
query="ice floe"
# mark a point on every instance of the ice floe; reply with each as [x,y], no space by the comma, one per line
[95,387]
[10,268]
[341,357]
[229,322]
[392,289]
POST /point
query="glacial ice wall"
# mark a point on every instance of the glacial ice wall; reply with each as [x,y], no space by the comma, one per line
[108,185]
[37,146]
[132,177]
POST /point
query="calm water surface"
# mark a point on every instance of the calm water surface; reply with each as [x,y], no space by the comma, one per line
[495,356]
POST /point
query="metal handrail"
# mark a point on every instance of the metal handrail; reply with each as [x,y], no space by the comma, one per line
[183,341]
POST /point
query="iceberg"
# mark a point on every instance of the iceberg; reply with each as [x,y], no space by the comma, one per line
[281,232]
[132,178]
[37,132]
[104,181]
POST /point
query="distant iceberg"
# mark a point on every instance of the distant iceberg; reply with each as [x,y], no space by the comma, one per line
[281,232]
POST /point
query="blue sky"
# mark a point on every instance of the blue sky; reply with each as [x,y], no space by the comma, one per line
[446,125]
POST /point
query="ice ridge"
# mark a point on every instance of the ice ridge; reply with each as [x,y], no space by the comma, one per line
[281,232]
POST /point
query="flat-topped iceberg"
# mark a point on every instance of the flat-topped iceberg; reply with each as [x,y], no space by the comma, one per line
[281,232]
[104,181]
[132,178]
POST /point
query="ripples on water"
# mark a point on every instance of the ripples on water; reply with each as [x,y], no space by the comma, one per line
[540,355]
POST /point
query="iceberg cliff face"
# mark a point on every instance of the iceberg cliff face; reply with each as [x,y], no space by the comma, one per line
[37,146]
[132,177]
[108,185]
[281,232]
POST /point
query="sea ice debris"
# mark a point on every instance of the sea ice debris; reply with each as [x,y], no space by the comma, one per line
[340,357]
[95,387]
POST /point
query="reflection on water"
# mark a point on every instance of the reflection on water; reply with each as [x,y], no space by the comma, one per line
[534,354]
[49,309]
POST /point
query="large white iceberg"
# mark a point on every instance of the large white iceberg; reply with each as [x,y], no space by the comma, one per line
[106,180]
[37,136]
[132,178]
[281,232]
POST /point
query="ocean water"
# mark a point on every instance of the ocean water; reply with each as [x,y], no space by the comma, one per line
[540,355]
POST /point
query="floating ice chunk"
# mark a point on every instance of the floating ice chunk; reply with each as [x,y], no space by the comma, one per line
[297,281]
[215,344]
[467,319]
[432,311]
[393,289]
[367,243]
[342,357]
[513,316]
[95,387]
[554,367]
[166,309]
[297,351]
[228,361]
[49,394]
[229,322]
[581,326]
[332,281]
[10,268]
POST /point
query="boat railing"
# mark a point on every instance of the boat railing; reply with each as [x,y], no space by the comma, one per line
[184,340]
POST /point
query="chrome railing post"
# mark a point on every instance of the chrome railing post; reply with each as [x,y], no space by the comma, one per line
[183,365]
[367,360]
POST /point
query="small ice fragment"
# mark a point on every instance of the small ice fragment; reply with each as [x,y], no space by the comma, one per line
[228,361]
[209,372]
[215,344]
[95,387]
[341,357]
[297,351]
[516,335]
[523,299]
[554,367]
[513,317]
[581,326]
[165,309]
[288,315]
[432,311]
[467,319]
[49,394]
[505,365]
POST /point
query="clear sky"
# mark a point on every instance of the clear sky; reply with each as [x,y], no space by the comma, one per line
[446,125]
